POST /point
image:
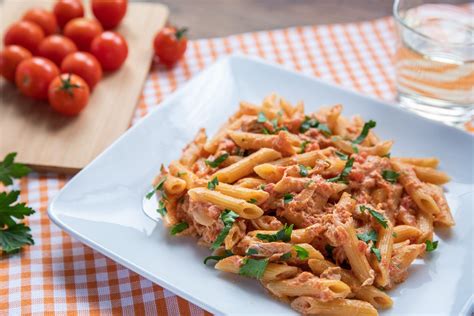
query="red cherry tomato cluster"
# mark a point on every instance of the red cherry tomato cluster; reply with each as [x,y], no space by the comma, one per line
[170,44]
[59,56]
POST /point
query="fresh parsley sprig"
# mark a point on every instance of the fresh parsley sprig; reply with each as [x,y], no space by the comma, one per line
[211,185]
[226,254]
[253,268]
[342,177]
[365,131]
[368,237]
[178,228]
[301,253]
[431,245]
[303,170]
[283,234]
[158,187]
[13,235]
[378,216]
[216,162]
[287,198]
[390,175]
[10,170]
[314,123]
[228,217]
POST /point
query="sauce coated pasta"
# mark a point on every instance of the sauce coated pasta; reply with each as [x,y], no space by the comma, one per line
[313,206]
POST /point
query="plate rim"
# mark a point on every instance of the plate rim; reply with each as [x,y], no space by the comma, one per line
[225,61]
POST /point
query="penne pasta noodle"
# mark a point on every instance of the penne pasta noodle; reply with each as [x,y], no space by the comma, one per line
[254,196]
[431,175]
[250,183]
[193,151]
[422,162]
[174,185]
[406,232]
[245,166]
[243,208]
[306,159]
[269,172]
[307,305]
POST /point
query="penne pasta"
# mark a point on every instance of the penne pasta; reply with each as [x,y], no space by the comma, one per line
[241,207]
[307,305]
[249,195]
[174,185]
[245,166]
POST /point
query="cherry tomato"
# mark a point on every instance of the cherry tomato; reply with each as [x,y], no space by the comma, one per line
[66,10]
[24,33]
[68,94]
[110,49]
[10,58]
[56,48]
[45,19]
[82,31]
[34,75]
[170,45]
[84,65]
[109,12]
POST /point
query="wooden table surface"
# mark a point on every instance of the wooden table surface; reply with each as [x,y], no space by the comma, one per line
[212,18]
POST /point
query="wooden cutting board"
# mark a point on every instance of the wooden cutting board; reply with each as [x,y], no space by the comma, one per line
[46,140]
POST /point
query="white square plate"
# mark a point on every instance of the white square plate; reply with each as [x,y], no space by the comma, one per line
[101,206]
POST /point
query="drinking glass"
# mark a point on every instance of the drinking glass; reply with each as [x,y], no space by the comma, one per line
[434,59]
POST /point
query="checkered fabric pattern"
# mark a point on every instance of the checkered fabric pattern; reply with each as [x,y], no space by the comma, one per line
[59,275]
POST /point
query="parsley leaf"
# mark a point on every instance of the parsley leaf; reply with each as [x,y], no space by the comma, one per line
[283,234]
[342,177]
[303,170]
[211,185]
[314,123]
[386,155]
[285,256]
[253,268]
[261,187]
[10,170]
[378,216]
[376,252]
[178,228]
[251,252]
[161,208]
[181,173]
[342,156]
[218,258]
[366,237]
[390,175]
[252,200]
[261,118]
[228,217]
[355,149]
[14,237]
[266,131]
[287,198]
[303,146]
[9,210]
[158,187]
[431,245]
[302,253]
[365,131]
[217,161]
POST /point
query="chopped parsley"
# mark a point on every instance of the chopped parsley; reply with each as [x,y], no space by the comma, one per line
[10,170]
[387,155]
[161,208]
[303,146]
[283,234]
[218,258]
[376,252]
[365,131]
[304,170]
[252,200]
[369,236]
[217,161]
[285,256]
[314,123]
[342,156]
[261,187]
[287,198]
[253,268]
[211,185]
[301,253]
[261,118]
[390,175]
[378,216]
[228,217]
[158,187]
[251,252]
[178,228]
[181,173]
[431,245]
[354,148]
[342,177]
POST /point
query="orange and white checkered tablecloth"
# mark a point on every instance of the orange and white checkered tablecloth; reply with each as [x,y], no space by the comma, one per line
[59,275]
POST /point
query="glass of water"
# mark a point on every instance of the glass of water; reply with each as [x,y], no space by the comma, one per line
[434,59]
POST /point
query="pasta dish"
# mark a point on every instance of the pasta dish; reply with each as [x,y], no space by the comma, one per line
[312,206]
